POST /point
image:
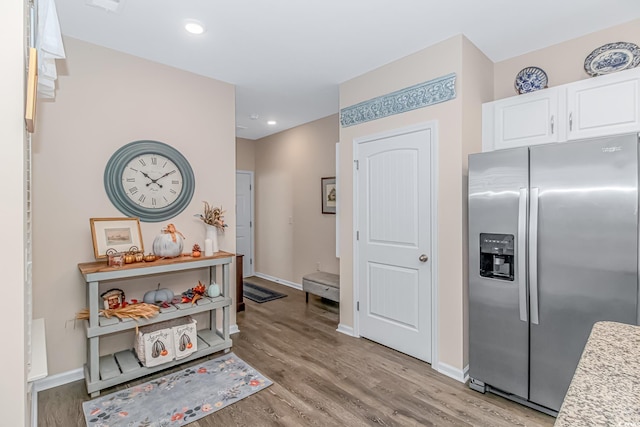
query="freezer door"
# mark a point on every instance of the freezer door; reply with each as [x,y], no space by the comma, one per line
[587,256]
[498,328]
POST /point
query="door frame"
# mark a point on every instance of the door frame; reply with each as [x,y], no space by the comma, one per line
[433,127]
[251,174]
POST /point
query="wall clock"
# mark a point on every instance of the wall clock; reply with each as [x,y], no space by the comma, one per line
[149,180]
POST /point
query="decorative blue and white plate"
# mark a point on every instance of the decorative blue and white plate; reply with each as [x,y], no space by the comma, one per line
[531,79]
[612,57]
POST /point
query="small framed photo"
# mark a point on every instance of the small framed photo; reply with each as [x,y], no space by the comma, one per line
[119,234]
[329,195]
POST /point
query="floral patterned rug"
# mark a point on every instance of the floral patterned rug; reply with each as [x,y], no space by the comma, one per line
[177,398]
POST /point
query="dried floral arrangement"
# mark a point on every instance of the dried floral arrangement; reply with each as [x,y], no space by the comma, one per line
[213,216]
[131,311]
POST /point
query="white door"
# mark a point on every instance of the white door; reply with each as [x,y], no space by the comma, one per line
[244,220]
[394,243]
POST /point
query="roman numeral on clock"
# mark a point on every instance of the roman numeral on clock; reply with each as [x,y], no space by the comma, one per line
[133,190]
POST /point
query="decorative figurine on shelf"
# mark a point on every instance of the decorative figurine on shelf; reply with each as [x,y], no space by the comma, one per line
[195,252]
[214,290]
[113,298]
[149,257]
[136,253]
[158,296]
[194,294]
[168,243]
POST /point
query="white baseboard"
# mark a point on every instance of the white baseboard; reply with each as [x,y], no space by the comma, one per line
[461,375]
[58,379]
[344,329]
[233,329]
[281,281]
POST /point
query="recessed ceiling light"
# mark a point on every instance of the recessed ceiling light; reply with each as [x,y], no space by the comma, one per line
[272,122]
[194,27]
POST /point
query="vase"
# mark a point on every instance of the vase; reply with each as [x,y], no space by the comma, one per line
[211,233]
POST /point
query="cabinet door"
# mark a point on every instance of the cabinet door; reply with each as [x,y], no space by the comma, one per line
[526,119]
[606,105]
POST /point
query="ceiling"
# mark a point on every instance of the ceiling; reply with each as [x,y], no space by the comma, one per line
[288,57]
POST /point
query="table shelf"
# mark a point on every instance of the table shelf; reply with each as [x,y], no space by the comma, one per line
[107,371]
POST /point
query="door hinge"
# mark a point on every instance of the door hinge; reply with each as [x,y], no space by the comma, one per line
[357,235]
[250,224]
[357,163]
[249,187]
[251,261]
[358,306]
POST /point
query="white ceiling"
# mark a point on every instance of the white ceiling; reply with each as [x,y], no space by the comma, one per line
[287,57]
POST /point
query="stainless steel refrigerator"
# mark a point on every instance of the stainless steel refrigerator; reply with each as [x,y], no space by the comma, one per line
[553,248]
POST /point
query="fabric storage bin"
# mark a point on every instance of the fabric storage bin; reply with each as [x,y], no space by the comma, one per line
[154,343]
[185,338]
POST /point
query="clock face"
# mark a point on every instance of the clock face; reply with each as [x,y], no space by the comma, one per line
[150,180]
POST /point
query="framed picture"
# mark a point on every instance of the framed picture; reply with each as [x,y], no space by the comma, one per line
[329,195]
[119,234]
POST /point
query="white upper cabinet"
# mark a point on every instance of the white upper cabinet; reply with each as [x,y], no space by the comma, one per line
[604,105]
[599,106]
[523,120]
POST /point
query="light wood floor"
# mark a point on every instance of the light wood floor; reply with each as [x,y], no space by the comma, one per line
[324,378]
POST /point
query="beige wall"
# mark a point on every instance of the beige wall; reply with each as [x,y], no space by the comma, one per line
[292,234]
[477,88]
[13,404]
[105,100]
[441,59]
[564,62]
[245,155]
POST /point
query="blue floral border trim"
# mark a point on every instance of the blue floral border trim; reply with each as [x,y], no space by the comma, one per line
[421,95]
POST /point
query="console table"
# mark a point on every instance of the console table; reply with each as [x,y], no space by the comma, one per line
[106,371]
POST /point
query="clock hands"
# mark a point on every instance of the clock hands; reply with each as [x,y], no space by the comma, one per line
[166,174]
[155,181]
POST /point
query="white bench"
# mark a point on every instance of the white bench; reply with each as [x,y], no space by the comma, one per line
[325,285]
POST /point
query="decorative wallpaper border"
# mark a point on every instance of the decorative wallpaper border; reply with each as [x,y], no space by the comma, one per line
[421,95]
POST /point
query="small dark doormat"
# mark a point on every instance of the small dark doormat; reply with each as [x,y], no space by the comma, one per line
[259,294]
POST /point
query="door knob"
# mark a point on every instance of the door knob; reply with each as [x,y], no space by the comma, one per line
[423,258]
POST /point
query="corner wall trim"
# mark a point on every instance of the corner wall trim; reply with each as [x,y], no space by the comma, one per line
[431,92]
[461,375]
[281,281]
[344,329]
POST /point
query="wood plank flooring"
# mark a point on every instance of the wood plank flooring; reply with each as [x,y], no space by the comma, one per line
[323,378]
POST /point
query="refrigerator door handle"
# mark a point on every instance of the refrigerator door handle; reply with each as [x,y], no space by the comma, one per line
[522,257]
[533,255]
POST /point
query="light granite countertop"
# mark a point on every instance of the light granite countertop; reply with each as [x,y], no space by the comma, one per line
[605,390]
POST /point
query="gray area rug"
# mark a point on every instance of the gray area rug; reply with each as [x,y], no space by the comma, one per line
[177,398]
[259,294]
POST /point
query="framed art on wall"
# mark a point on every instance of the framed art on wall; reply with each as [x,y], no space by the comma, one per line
[119,234]
[329,195]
